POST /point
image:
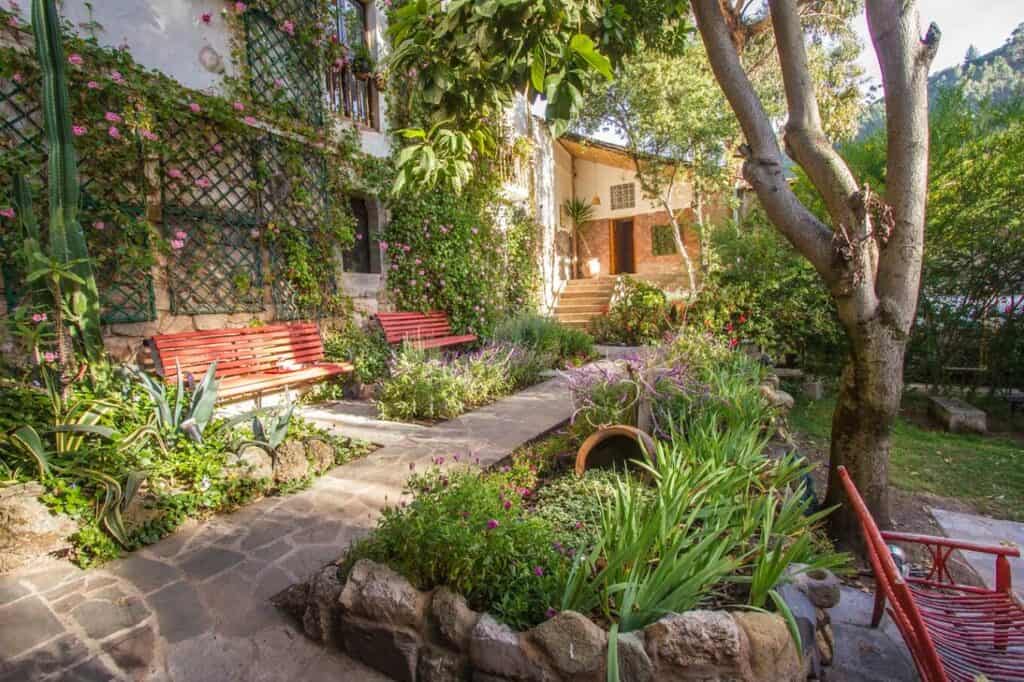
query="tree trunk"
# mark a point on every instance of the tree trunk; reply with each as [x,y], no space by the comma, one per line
[867,405]
[677,236]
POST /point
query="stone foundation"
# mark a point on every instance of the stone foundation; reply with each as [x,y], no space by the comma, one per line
[380,619]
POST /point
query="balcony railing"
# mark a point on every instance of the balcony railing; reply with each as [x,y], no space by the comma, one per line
[350,97]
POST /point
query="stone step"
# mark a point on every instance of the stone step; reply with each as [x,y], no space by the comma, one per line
[573,307]
[576,318]
[600,288]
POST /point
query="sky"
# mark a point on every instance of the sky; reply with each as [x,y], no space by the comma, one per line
[986,24]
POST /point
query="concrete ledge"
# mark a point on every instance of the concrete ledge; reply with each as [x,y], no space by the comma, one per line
[957,416]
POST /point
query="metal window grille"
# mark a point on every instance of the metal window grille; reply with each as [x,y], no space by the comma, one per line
[663,243]
[623,196]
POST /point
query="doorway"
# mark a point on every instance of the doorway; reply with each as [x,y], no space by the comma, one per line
[623,260]
[358,258]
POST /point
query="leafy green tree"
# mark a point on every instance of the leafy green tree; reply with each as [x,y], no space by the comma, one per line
[676,124]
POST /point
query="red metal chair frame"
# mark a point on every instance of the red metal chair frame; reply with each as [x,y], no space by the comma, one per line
[423,330]
[953,631]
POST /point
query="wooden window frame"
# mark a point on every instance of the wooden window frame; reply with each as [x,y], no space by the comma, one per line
[336,83]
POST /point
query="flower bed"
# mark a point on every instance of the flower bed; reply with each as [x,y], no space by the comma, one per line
[708,524]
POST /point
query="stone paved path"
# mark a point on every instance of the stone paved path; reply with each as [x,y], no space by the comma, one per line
[193,607]
[987,532]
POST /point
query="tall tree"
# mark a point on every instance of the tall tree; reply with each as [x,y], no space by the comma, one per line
[868,254]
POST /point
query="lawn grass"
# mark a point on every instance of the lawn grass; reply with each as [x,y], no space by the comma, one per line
[986,472]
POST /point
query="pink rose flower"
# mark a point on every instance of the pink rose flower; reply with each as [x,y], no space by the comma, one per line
[278,83]
[177,244]
[219,148]
[92,85]
[383,246]
[149,135]
[116,77]
[181,234]
[7,212]
[114,132]
[288,26]
[175,173]
[239,7]
[203,182]
[75,59]
[39,317]
[238,106]
[50,356]
[78,131]
[194,107]
[99,225]
[17,77]
[112,117]
[249,121]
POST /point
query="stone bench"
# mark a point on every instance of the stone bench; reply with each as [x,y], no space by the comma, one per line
[957,416]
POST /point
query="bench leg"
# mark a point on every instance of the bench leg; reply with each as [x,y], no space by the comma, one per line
[1003,585]
[879,610]
[258,400]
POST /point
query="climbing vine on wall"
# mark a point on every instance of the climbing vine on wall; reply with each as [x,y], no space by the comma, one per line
[122,118]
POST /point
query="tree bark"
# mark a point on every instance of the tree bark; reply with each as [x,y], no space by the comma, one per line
[870,256]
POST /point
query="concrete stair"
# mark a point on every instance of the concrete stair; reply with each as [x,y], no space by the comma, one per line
[584,299]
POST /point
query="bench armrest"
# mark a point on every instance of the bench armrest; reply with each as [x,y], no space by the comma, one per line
[950,542]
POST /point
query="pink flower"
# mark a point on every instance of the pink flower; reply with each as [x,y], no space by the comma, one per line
[114,132]
[39,317]
[181,234]
[238,106]
[254,233]
[383,246]
[359,235]
[538,571]
[75,59]
[288,26]
[78,131]
[219,148]
[194,107]
[116,77]
[149,135]
[13,22]
[17,77]
[203,182]
[249,121]
[50,356]
[492,524]
[239,7]
[278,83]
[92,85]
[177,244]
[205,17]
[175,173]
[419,261]
[112,117]
[99,225]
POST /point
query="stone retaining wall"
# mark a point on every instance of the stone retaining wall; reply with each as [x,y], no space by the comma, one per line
[380,619]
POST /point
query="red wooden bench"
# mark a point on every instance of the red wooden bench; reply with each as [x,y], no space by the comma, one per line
[424,330]
[953,631]
[249,360]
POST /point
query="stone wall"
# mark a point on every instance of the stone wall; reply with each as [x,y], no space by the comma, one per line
[380,619]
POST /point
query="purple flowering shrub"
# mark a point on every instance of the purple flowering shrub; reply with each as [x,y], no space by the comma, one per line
[473,531]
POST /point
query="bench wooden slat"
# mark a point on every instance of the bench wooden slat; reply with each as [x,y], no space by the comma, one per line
[248,359]
[424,330]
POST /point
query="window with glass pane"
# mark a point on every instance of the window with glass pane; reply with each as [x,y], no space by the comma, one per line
[347,94]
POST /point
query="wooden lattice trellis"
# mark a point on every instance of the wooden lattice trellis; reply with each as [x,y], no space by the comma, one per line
[280,69]
[211,219]
[126,292]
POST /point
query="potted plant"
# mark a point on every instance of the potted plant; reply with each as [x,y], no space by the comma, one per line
[581,212]
[362,62]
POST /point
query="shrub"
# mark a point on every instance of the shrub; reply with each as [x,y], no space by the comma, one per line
[469,531]
[602,396]
[365,347]
[421,387]
[546,335]
[639,314]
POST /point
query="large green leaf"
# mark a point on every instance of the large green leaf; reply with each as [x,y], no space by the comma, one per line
[584,46]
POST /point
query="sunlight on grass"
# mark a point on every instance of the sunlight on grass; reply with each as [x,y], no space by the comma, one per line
[984,471]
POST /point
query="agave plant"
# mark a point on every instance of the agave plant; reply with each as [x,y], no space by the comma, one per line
[269,427]
[56,449]
[191,419]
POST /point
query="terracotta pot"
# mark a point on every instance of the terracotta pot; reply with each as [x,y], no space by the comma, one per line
[612,445]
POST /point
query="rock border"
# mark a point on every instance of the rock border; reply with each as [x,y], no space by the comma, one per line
[378,618]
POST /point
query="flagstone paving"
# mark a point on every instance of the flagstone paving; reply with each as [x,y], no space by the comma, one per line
[195,607]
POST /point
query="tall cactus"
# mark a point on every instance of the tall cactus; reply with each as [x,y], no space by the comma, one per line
[66,236]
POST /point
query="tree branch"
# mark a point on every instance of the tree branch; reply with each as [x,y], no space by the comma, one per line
[763,166]
[904,59]
[805,139]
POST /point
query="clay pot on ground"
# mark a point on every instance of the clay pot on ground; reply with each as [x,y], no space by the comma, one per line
[615,445]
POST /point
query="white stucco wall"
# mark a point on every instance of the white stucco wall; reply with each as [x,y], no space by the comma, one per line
[595,180]
[169,36]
